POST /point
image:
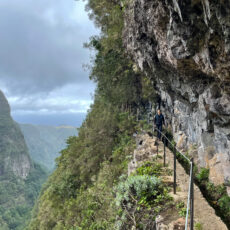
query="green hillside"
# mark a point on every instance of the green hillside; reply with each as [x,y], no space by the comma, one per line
[18,196]
[45,142]
[20,178]
[80,191]
[90,188]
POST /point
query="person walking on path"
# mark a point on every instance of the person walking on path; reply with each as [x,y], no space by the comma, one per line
[159,121]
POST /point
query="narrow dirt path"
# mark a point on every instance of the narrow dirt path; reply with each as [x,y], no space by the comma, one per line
[203,212]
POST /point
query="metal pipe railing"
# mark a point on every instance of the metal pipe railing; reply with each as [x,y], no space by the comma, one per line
[192,197]
[190,201]
[174,169]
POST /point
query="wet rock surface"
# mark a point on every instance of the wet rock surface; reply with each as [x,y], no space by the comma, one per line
[184,47]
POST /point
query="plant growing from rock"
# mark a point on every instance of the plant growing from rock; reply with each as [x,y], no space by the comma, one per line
[198,226]
[203,175]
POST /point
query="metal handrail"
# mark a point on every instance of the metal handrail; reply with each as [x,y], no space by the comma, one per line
[172,144]
[189,198]
[190,191]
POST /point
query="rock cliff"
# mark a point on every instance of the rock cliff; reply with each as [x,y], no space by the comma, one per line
[13,150]
[184,47]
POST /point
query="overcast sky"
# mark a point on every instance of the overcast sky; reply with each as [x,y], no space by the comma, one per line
[42,58]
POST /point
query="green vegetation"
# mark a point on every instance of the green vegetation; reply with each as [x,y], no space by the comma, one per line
[203,175]
[17,198]
[142,196]
[80,192]
[216,195]
[154,168]
[150,168]
[198,226]
[45,142]
[218,198]
[224,203]
[20,178]
[84,199]
[89,189]
[181,208]
[140,199]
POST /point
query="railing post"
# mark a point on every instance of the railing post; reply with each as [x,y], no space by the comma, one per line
[157,148]
[164,152]
[192,198]
[174,169]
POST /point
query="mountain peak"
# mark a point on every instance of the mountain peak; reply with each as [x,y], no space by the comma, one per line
[4,105]
[14,155]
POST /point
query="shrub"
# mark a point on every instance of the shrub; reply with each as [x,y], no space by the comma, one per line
[140,199]
[137,187]
[150,168]
[203,175]
[224,203]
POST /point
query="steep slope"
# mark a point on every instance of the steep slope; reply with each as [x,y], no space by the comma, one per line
[20,178]
[90,188]
[183,46]
[45,142]
[13,152]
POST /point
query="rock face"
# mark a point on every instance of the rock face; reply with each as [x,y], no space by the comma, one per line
[184,46]
[14,156]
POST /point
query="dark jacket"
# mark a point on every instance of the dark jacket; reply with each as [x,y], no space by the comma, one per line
[159,119]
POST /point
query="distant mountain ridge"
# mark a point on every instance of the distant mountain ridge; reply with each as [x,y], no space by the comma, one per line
[20,177]
[45,142]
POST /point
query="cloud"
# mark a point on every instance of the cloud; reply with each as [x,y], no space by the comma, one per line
[41,44]
[41,55]
[51,119]
[58,101]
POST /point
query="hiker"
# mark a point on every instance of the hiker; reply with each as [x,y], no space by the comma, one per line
[159,121]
